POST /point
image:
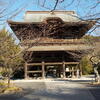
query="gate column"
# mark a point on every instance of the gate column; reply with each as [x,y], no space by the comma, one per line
[25,71]
[43,70]
[64,71]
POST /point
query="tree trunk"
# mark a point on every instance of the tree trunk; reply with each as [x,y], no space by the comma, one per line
[97,77]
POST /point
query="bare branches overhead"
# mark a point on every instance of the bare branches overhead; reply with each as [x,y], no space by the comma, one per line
[55,5]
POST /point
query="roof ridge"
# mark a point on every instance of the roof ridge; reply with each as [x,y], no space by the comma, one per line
[29,11]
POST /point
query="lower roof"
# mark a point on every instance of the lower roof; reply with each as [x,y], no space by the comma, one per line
[58,48]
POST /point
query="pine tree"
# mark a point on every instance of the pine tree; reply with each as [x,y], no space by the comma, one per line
[10,58]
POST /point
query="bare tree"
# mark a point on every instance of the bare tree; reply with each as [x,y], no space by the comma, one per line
[94,53]
[90,8]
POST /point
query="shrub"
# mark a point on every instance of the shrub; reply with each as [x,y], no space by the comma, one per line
[86,66]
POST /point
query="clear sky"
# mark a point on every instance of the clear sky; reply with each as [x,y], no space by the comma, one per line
[16,9]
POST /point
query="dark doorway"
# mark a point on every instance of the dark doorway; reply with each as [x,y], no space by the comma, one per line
[53,71]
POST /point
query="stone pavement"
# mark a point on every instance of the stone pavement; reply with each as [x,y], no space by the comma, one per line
[52,90]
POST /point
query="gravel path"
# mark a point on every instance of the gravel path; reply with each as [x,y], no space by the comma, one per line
[53,90]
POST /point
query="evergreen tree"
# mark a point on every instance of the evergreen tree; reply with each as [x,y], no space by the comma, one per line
[10,58]
[86,66]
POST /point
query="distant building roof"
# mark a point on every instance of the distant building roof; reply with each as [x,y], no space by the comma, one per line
[40,16]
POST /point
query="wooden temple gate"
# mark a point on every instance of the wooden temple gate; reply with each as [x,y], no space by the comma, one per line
[57,31]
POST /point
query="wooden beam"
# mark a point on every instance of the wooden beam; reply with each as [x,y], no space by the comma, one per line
[34,71]
[52,63]
[34,64]
[68,63]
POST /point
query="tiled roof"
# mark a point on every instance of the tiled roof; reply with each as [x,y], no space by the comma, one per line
[40,16]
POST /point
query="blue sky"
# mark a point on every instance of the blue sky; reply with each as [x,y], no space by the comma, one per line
[16,8]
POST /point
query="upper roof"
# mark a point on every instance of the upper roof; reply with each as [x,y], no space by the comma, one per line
[40,16]
[57,24]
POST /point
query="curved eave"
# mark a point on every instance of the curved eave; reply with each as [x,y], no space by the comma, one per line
[20,23]
[89,22]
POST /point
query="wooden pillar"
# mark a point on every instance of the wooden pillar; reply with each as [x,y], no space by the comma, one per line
[25,71]
[43,70]
[72,72]
[80,68]
[64,71]
[77,71]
